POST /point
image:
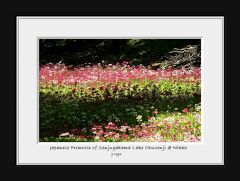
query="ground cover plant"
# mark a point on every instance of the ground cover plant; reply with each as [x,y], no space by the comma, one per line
[119,102]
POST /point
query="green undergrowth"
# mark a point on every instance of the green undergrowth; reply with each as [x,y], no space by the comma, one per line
[65,107]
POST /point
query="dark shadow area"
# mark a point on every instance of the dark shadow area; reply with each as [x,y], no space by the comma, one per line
[60,114]
[135,51]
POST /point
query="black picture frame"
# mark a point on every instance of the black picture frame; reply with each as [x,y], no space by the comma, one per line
[111,9]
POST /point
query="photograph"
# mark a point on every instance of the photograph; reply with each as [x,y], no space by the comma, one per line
[119,90]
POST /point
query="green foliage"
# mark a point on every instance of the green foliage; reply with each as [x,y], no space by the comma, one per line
[63,107]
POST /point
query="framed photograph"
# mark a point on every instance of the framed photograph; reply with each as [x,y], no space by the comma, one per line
[120,90]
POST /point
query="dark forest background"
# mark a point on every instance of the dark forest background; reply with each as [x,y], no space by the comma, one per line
[135,51]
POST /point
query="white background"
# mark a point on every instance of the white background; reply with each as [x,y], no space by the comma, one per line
[209,29]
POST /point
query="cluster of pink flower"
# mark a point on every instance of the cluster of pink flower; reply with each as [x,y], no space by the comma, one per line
[61,74]
[144,131]
[110,131]
[168,129]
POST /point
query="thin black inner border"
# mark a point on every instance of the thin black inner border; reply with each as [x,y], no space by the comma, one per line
[99,38]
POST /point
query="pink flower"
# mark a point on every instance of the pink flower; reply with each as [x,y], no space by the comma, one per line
[124,136]
[186,110]
[99,133]
[111,124]
[155,112]
[62,74]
